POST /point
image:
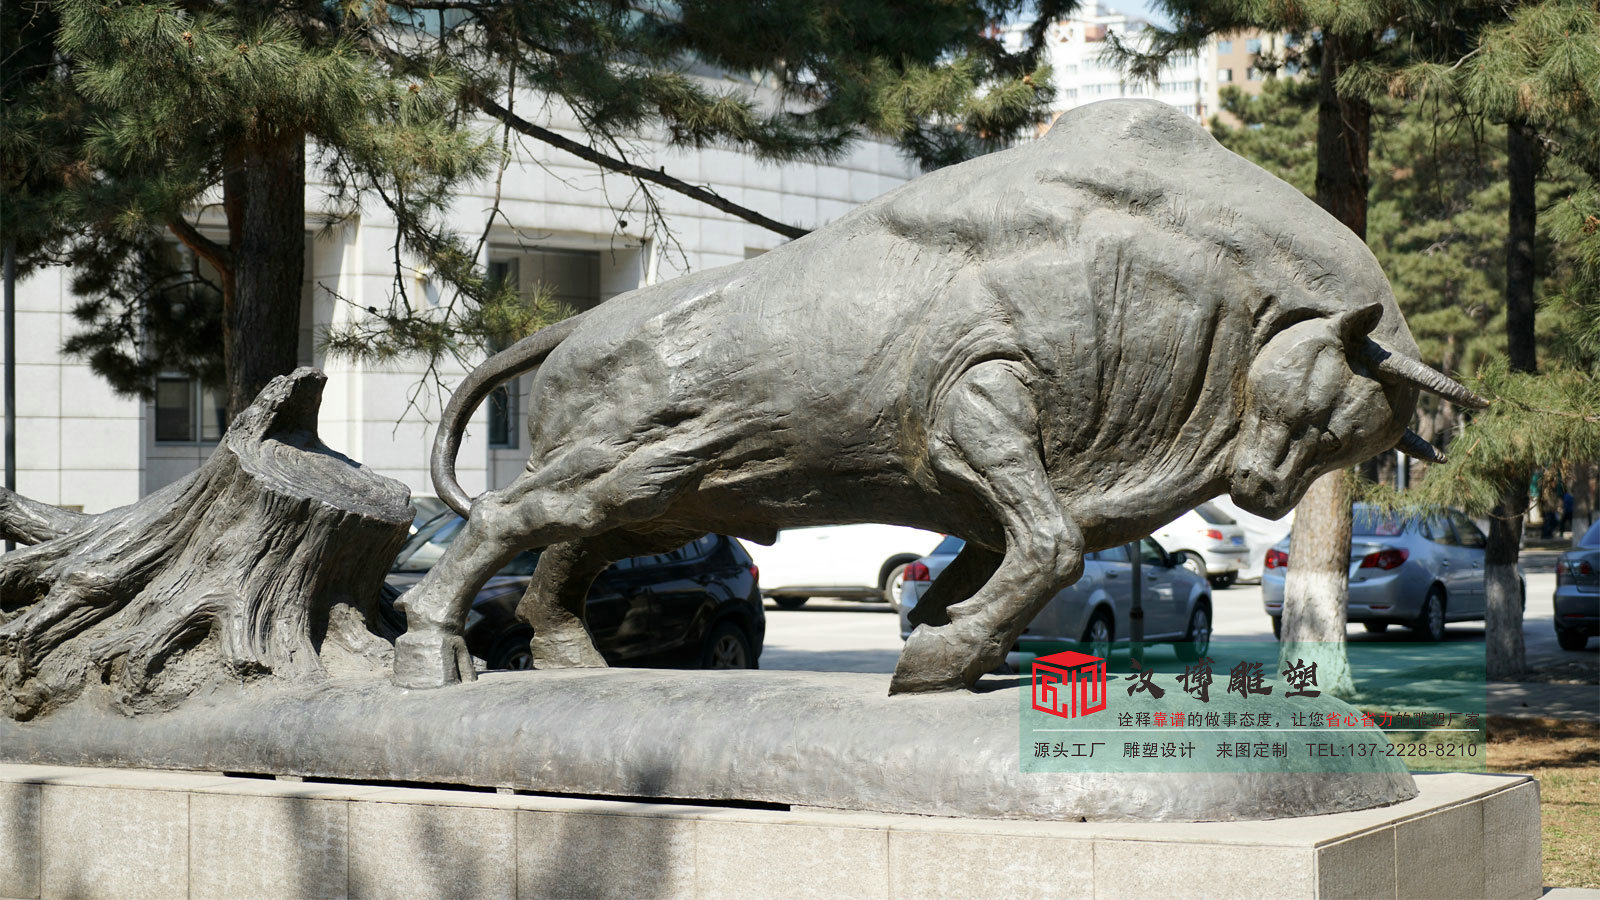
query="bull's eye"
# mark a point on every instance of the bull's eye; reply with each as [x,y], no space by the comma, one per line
[1329,442]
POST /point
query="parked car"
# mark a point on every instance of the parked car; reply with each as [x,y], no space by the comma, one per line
[856,562]
[698,605]
[1577,597]
[1421,572]
[1209,542]
[1093,611]
[1260,534]
[425,510]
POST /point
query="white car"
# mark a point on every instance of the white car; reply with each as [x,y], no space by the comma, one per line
[1210,542]
[858,562]
[1260,534]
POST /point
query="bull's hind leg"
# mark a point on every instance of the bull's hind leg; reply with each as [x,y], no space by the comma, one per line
[551,506]
[986,437]
[557,597]
[971,568]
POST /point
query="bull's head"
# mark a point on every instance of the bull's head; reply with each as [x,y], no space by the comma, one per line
[1324,394]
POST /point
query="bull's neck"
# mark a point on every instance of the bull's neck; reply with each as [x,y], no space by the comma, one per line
[1163,475]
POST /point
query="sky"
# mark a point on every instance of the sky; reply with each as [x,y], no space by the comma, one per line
[1140,8]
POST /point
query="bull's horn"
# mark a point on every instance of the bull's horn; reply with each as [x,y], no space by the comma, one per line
[1412,445]
[1390,366]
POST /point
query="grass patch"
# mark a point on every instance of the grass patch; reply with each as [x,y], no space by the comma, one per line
[1565,757]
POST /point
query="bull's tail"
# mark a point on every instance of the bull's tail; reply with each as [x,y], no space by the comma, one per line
[522,357]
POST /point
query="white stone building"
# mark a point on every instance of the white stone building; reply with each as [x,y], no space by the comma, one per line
[1074,47]
[80,445]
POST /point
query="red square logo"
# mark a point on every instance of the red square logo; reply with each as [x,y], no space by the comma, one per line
[1069,684]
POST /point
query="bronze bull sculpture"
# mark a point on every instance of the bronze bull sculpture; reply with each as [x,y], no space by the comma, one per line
[1049,350]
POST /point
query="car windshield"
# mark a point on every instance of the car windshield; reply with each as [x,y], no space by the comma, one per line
[1377,523]
[1591,538]
[950,546]
[428,545]
[1214,514]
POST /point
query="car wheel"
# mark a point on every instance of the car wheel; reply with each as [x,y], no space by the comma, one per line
[513,653]
[1193,563]
[1571,640]
[891,586]
[1375,627]
[1198,640]
[727,647]
[1277,627]
[790,602]
[1430,623]
[1224,581]
[1097,637]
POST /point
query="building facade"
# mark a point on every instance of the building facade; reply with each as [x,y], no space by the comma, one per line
[1075,51]
[80,445]
[1238,60]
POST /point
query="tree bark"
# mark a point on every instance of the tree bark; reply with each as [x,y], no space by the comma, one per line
[1317,586]
[264,195]
[1507,650]
[265,562]
[1344,133]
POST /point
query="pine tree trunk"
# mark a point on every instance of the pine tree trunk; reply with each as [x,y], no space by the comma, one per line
[1344,131]
[266,561]
[264,195]
[1317,586]
[1507,651]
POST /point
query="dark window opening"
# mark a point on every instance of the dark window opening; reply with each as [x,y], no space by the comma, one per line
[502,418]
[189,412]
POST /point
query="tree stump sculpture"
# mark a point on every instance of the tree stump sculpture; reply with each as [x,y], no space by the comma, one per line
[266,561]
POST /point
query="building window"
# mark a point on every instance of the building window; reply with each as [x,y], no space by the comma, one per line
[1224,46]
[188,412]
[1253,45]
[1224,75]
[503,417]
[1253,74]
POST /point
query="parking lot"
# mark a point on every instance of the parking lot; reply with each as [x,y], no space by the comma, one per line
[846,636]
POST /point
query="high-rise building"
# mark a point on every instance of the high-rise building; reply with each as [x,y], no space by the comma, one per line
[1076,53]
[1238,57]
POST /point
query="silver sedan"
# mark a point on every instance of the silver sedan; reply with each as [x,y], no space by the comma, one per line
[1421,572]
[1577,598]
[1093,612]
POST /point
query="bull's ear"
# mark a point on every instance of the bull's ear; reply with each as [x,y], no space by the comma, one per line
[1359,322]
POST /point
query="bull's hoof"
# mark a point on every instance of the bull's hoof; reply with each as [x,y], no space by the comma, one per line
[934,661]
[565,649]
[431,659]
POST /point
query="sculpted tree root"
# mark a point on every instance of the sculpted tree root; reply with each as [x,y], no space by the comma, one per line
[266,561]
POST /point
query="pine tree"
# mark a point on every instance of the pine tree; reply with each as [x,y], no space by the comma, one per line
[1539,73]
[1454,204]
[156,109]
[137,113]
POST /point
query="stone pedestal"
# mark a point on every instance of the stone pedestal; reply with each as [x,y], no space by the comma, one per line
[121,833]
[835,740]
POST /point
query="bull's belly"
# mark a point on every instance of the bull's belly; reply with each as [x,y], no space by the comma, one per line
[753,499]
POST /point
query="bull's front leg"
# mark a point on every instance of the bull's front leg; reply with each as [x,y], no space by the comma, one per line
[986,437]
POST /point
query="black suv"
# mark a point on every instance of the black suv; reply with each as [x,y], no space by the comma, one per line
[698,605]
